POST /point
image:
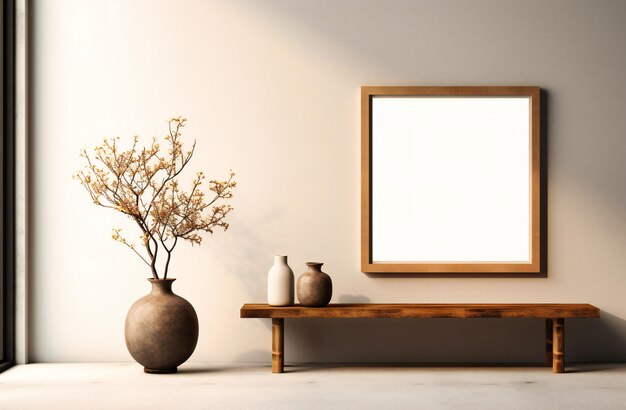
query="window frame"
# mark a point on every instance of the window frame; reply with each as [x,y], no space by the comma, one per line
[8,184]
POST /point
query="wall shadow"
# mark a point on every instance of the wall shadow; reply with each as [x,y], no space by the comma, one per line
[415,340]
[449,275]
[543,194]
[596,340]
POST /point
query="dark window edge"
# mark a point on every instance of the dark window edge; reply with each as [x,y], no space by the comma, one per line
[8,183]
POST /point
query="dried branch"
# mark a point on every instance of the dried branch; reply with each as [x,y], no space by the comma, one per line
[142,184]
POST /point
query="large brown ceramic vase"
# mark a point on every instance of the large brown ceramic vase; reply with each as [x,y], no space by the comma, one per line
[161,329]
[314,288]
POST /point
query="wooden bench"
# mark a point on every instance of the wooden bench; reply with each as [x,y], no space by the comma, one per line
[554,314]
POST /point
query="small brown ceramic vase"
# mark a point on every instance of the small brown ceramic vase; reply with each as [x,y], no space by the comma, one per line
[315,288]
[161,329]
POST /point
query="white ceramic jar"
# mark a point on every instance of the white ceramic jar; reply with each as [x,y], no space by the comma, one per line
[280,283]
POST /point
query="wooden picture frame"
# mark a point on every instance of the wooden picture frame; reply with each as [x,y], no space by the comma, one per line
[510,243]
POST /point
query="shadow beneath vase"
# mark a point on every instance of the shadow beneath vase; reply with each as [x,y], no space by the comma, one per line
[203,369]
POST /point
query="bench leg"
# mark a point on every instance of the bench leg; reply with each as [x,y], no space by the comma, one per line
[549,347]
[558,335]
[278,347]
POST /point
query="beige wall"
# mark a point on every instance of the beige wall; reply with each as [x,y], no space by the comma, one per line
[271,90]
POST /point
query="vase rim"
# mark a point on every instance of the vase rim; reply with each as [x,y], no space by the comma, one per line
[314,263]
[162,280]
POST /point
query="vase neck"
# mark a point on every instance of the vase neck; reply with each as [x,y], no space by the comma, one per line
[282,259]
[314,266]
[161,285]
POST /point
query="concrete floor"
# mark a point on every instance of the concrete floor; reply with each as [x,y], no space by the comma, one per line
[197,386]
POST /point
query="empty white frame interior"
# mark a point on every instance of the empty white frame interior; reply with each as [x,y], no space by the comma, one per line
[450,179]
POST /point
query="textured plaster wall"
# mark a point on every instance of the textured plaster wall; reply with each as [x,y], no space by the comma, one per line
[271,90]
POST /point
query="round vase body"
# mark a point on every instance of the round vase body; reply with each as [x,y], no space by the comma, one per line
[315,288]
[280,282]
[161,329]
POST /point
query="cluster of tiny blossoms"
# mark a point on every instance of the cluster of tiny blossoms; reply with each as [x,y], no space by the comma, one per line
[142,184]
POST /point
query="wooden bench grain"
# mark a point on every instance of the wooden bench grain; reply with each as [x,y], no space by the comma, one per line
[554,314]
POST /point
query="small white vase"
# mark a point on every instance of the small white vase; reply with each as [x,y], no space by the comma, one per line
[280,283]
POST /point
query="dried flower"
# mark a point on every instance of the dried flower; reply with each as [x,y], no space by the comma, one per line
[142,183]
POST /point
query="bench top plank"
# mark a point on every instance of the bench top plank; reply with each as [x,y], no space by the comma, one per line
[402,310]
